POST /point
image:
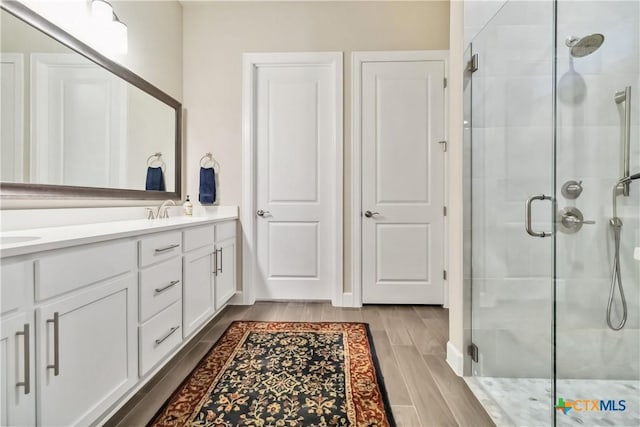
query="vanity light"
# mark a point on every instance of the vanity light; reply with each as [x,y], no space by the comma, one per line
[101,11]
[110,32]
[120,39]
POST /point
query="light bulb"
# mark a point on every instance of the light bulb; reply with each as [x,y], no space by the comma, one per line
[119,37]
[101,11]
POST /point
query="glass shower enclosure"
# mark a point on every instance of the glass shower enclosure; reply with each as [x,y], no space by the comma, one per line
[552,143]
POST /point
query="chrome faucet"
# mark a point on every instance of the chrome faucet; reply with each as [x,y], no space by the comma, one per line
[163,209]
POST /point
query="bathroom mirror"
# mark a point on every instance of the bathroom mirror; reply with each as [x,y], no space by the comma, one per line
[76,124]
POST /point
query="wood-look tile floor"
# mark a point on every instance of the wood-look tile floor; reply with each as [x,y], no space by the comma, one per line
[410,342]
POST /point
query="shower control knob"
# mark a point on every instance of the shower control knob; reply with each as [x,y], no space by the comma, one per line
[572,189]
[570,220]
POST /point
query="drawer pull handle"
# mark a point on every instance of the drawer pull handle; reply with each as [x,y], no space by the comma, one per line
[27,367]
[220,265]
[215,263]
[161,290]
[161,340]
[168,248]
[56,344]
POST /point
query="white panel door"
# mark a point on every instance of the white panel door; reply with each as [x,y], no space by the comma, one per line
[402,182]
[12,116]
[295,111]
[79,123]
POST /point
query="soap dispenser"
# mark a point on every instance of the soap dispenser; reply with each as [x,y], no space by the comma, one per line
[188,207]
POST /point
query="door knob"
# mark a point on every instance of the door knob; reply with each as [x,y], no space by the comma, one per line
[260,212]
[369,214]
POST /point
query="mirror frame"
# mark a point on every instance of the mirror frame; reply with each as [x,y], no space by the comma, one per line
[9,190]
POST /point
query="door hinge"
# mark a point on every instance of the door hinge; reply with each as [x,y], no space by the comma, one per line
[444,211]
[444,145]
[444,274]
[472,350]
[473,63]
[445,82]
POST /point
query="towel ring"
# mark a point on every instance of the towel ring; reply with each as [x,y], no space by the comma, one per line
[208,161]
[155,160]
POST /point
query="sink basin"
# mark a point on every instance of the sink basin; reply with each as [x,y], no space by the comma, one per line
[10,240]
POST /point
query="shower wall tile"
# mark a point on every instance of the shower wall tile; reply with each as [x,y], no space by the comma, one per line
[618,354]
[596,107]
[587,309]
[518,350]
[528,150]
[589,152]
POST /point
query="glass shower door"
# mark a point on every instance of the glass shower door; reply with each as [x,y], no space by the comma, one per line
[511,150]
[597,350]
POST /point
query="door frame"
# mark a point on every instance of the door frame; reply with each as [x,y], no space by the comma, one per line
[251,62]
[357,60]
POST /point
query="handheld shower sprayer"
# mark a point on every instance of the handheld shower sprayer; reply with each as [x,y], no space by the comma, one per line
[616,279]
[628,179]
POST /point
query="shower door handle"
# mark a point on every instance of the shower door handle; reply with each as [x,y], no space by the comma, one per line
[527,214]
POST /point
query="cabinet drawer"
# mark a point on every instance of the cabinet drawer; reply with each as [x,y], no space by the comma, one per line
[199,237]
[17,278]
[160,247]
[225,230]
[67,270]
[160,285]
[159,336]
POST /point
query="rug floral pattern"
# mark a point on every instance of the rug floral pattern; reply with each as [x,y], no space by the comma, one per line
[285,374]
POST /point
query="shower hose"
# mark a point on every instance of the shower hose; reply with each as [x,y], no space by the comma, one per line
[616,278]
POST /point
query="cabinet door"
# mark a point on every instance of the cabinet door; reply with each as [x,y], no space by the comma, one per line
[197,290]
[87,352]
[226,277]
[17,401]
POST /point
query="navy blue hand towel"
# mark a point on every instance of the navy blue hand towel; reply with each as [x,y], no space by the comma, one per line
[155,179]
[207,186]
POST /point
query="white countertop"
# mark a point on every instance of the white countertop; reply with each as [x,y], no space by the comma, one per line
[71,235]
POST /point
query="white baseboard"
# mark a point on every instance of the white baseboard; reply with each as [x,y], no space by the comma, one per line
[238,299]
[455,359]
[346,300]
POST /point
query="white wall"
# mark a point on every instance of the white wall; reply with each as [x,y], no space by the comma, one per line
[457,301]
[217,33]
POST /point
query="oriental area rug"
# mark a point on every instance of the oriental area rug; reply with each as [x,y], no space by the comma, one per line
[283,374]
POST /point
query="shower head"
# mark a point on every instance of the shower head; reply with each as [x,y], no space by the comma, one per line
[584,46]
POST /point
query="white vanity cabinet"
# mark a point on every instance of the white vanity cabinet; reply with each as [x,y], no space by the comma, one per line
[160,297]
[17,379]
[225,277]
[198,272]
[83,326]
[86,355]
[209,271]
[86,338]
